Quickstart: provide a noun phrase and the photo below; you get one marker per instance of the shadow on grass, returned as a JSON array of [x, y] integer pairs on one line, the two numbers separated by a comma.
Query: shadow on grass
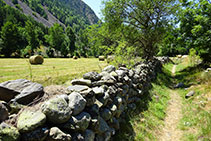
[[126, 132]]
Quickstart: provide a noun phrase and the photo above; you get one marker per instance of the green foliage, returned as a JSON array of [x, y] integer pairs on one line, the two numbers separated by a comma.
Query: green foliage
[[193, 57], [143, 23], [195, 30]]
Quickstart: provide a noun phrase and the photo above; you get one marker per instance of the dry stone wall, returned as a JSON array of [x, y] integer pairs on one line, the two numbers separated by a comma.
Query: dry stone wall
[[91, 109]]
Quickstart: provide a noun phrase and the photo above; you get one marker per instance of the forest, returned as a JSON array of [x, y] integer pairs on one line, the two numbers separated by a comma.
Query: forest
[[128, 28]]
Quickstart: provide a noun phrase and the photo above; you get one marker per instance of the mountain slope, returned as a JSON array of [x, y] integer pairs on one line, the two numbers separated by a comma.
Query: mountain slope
[[64, 12]]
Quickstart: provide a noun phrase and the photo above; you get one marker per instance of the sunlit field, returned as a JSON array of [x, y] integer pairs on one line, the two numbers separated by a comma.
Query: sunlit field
[[52, 71]]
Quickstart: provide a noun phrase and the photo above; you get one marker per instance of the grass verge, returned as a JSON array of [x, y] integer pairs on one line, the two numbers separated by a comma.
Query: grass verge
[[145, 122]]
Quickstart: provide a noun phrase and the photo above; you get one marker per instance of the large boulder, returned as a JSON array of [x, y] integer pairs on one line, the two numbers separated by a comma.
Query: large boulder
[[8, 132], [57, 109], [20, 90], [3, 112], [29, 120], [57, 135], [93, 76], [76, 102]]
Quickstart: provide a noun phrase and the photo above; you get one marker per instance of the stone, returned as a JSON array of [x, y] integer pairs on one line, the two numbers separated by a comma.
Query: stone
[[79, 122], [3, 112], [93, 111], [29, 120], [39, 134], [77, 88], [103, 126], [189, 94], [78, 137], [93, 76], [179, 85], [132, 106], [133, 100], [120, 110], [85, 82], [113, 109], [106, 114], [120, 74], [118, 101], [109, 69], [89, 135], [76, 102], [8, 132], [115, 123], [20, 90], [131, 73], [57, 109], [104, 99], [56, 134], [55, 90], [16, 107], [99, 91], [107, 78], [89, 95]]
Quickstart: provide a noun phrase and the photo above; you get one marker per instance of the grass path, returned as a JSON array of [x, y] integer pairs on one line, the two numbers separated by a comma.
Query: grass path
[[170, 132]]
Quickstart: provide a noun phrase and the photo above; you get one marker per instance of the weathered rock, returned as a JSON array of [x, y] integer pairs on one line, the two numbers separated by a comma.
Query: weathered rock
[[39, 134], [119, 111], [109, 69], [78, 137], [106, 114], [191, 93], [99, 90], [107, 78], [57, 109], [77, 88], [103, 126], [118, 101], [57, 135], [89, 135], [114, 123], [3, 112], [93, 76], [23, 91], [76, 102], [16, 107], [85, 82], [93, 111], [8, 132], [29, 120], [132, 106], [89, 95], [55, 90], [113, 109], [104, 99], [79, 122], [180, 85]]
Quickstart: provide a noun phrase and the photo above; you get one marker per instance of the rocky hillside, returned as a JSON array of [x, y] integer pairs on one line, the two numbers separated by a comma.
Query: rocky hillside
[[64, 12]]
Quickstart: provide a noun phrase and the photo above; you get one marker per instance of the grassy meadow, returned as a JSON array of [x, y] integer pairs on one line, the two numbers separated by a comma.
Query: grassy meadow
[[52, 71]]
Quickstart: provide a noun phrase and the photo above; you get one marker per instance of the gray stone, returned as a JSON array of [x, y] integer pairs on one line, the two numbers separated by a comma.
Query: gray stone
[[131, 73], [93, 111], [107, 78], [103, 126], [115, 123], [76, 102], [132, 106], [57, 135], [89, 135], [8, 132], [120, 110], [57, 109], [78, 137], [98, 103], [113, 109], [20, 90], [89, 95], [29, 120], [114, 74], [118, 101], [99, 90], [93, 76], [104, 99], [189, 94], [179, 85], [3, 112], [109, 69], [39, 134], [106, 114], [85, 82], [120, 74], [79, 122], [77, 88]]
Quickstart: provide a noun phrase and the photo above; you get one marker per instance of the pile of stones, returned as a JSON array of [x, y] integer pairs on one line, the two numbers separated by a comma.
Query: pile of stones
[[90, 109]]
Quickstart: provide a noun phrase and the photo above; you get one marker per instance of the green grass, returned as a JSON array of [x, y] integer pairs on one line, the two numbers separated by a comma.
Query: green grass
[[146, 121], [53, 71], [196, 120]]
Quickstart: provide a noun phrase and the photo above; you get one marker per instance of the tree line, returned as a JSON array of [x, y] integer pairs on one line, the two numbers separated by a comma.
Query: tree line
[[130, 28]]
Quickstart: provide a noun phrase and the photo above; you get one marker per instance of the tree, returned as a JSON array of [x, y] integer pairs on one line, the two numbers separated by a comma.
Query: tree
[[56, 37], [32, 36], [142, 22], [195, 19], [70, 39], [10, 37]]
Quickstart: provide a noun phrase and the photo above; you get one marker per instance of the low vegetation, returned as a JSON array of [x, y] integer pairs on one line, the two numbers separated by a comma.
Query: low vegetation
[[53, 71]]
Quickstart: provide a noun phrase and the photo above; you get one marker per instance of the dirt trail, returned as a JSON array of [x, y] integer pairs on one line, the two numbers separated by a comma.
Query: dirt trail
[[170, 132]]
